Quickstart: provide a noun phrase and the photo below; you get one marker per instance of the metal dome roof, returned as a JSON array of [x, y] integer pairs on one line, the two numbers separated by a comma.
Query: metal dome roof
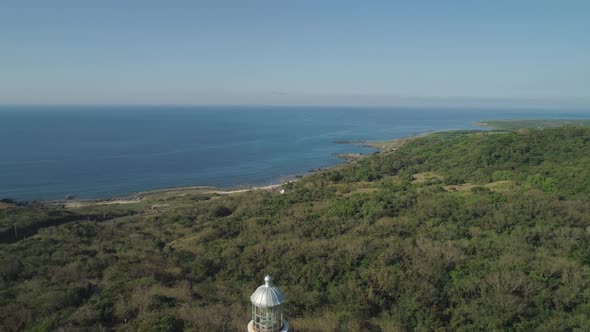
[[267, 295]]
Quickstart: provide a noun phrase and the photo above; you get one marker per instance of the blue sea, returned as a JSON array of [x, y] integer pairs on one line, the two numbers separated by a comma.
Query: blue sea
[[48, 152]]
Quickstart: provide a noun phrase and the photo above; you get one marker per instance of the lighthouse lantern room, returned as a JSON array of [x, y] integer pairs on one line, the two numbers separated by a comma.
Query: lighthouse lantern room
[[267, 309]]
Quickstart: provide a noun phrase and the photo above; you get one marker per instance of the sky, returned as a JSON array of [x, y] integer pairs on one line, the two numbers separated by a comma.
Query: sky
[[295, 52]]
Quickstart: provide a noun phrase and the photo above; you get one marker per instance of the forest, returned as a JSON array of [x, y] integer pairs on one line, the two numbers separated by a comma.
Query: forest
[[453, 231]]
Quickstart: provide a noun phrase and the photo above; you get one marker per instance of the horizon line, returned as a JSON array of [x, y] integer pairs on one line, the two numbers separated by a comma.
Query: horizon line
[[550, 106]]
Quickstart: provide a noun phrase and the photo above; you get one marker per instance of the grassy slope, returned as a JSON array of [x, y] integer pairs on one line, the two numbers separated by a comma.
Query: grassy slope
[[453, 231]]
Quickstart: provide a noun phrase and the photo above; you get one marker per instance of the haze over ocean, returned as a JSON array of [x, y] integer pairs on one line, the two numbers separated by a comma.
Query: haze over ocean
[[49, 152]]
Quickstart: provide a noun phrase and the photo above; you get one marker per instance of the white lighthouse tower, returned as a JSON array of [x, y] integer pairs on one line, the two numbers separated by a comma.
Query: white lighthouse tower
[[267, 309]]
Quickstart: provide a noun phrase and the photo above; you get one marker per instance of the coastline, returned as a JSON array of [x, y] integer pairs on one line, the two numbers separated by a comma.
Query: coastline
[[235, 163], [384, 146]]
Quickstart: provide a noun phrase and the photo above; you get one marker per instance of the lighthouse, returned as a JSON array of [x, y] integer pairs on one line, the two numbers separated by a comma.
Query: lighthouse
[[267, 309]]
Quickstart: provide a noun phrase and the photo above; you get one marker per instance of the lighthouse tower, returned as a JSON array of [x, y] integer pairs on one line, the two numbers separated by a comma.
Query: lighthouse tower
[[267, 309]]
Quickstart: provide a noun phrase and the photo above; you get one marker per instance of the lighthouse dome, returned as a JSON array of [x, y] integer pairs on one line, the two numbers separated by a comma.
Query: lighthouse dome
[[267, 295]]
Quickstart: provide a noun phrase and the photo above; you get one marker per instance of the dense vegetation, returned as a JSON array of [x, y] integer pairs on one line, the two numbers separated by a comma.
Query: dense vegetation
[[454, 231]]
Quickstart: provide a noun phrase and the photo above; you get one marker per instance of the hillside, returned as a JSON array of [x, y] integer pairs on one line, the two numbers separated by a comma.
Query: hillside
[[454, 231], [533, 123]]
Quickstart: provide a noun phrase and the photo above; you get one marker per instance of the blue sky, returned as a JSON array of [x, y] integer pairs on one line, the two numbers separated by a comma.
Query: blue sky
[[295, 52]]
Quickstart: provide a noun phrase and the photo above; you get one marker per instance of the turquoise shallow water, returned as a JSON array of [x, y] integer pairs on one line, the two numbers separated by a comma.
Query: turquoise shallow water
[[48, 152]]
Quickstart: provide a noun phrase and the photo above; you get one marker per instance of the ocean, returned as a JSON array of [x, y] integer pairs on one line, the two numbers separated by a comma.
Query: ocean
[[49, 152]]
